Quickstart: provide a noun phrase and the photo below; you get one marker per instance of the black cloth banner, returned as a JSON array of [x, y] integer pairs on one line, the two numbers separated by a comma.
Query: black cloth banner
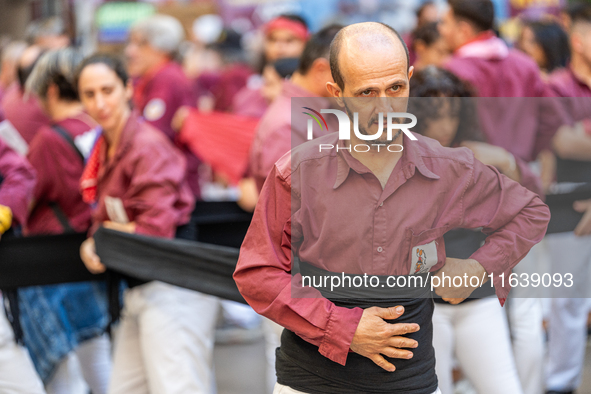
[[193, 265], [42, 260]]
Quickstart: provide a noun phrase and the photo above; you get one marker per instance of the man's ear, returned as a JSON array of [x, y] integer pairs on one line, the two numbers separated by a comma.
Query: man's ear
[[335, 91], [411, 71]]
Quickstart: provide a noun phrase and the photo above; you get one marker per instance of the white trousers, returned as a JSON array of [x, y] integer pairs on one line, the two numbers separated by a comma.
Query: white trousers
[[17, 373], [567, 321], [281, 389], [525, 313], [477, 333], [90, 363], [164, 344]]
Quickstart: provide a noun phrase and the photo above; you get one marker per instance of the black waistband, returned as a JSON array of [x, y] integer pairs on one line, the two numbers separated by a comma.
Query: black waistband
[[300, 366], [345, 286]]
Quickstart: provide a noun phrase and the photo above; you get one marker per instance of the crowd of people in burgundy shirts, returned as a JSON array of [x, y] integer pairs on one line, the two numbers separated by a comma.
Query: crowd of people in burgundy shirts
[[132, 141]]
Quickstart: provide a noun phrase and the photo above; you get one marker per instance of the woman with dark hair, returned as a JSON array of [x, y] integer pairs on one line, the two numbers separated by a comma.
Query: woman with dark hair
[[74, 314], [547, 43], [136, 178], [475, 331]]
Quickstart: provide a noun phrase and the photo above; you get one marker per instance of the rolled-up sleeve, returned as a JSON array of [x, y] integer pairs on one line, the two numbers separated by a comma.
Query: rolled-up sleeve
[[263, 276], [515, 219]]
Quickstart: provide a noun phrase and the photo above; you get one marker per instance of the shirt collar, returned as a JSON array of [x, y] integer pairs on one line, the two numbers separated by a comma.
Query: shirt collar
[[412, 159]]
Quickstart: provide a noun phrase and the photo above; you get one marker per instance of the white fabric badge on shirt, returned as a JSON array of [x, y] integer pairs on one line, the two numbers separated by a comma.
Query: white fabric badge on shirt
[[155, 109], [116, 210], [424, 257]]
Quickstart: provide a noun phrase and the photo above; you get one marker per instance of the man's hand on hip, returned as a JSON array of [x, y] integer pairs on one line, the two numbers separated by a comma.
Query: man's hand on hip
[[465, 269], [375, 338]]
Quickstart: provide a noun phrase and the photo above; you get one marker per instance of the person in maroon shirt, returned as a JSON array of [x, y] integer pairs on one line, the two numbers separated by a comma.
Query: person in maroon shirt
[[161, 87], [571, 251], [23, 112], [285, 37], [523, 127], [334, 210], [16, 188], [56, 153], [17, 180], [136, 177], [274, 136]]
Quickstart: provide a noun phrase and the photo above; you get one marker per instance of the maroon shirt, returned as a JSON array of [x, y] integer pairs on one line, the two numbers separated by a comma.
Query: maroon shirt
[[331, 211], [277, 133], [147, 173], [16, 189], [564, 83], [59, 168], [250, 102], [521, 125], [158, 96], [25, 115]]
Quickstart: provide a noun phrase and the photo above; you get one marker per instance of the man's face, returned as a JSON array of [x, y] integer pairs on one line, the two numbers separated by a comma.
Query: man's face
[[376, 81], [281, 44], [581, 41], [140, 55], [450, 30]]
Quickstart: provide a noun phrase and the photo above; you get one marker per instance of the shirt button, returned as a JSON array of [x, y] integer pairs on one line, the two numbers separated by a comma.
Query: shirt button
[[380, 249], [382, 204]]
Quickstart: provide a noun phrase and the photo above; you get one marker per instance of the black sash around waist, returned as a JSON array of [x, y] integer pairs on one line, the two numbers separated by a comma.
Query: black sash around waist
[[300, 366]]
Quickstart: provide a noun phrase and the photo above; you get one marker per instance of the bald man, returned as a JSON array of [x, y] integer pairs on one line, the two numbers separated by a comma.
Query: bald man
[[381, 212]]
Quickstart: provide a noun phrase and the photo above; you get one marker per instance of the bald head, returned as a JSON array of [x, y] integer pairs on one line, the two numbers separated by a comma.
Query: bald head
[[360, 40]]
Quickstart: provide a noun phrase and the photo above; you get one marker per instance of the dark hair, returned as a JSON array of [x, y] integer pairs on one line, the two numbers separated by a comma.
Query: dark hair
[[318, 46], [554, 42], [428, 33], [335, 50], [430, 89], [579, 12], [479, 13], [111, 61]]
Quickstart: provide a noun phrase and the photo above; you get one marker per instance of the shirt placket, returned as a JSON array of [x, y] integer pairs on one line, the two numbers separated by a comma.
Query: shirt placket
[[384, 214]]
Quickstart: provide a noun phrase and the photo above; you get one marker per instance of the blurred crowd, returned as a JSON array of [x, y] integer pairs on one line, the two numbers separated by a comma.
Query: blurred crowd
[[131, 141]]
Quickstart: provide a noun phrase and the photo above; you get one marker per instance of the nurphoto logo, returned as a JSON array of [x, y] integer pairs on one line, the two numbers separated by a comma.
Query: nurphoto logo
[[393, 122]]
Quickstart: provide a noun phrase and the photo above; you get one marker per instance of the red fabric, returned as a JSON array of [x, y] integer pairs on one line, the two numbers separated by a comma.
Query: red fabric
[[25, 115], [332, 212], [147, 173], [89, 178], [221, 140], [16, 191], [281, 23], [59, 169]]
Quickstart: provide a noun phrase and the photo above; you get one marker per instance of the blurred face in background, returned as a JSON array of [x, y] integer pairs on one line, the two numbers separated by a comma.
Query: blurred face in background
[[429, 14], [451, 31], [581, 42], [434, 54], [443, 126], [528, 44], [141, 56], [104, 96], [283, 43]]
